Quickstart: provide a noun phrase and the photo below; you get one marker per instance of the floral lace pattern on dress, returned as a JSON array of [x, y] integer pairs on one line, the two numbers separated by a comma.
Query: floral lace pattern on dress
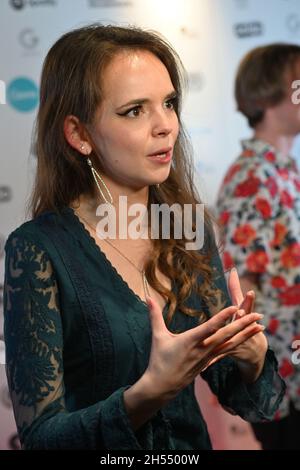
[[32, 323]]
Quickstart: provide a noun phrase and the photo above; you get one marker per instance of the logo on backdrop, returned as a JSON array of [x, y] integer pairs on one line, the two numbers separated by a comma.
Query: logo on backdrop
[[293, 23], [17, 4], [196, 81], [241, 4], [22, 94], [5, 193], [189, 32], [28, 39], [249, 29], [2, 92], [109, 3], [20, 4]]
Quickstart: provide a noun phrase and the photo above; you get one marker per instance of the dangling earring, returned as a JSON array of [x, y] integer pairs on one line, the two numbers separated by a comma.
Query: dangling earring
[[157, 186], [97, 177]]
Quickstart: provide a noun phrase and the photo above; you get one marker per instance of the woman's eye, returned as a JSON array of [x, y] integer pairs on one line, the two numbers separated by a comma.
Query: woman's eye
[[170, 104], [133, 112], [137, 110]]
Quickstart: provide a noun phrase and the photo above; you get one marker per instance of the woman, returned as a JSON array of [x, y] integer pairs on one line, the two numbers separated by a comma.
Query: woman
[[90, 364]]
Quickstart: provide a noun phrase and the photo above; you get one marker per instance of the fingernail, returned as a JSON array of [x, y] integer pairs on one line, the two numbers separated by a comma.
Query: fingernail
[[262, 327], [260, 315], [233, 269]]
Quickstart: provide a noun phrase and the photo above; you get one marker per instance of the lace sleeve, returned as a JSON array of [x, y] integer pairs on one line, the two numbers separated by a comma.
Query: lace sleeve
[[32, 331], [253, 402], [34, 362]]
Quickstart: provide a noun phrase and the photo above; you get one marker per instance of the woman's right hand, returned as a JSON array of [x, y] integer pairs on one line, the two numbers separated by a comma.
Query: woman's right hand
[[176, 359]]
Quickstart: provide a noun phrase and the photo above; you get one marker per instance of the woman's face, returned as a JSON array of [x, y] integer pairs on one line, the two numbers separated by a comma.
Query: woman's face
[[136, 119]]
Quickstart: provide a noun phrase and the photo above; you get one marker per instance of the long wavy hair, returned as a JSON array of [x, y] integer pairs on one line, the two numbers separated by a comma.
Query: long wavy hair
[[70, 86]]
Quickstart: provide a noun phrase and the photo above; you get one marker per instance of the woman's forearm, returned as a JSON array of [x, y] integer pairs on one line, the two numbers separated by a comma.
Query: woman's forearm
[[250, 372], [142, 401]]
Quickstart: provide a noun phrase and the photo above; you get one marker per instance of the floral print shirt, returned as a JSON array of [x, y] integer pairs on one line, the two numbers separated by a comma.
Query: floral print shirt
[[259, 211]]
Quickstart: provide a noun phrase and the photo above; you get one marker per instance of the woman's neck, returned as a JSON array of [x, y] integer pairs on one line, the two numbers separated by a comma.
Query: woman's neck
[[87, 207]]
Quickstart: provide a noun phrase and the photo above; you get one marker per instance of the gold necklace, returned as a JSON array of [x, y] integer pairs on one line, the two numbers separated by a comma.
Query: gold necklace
[[141, 271]]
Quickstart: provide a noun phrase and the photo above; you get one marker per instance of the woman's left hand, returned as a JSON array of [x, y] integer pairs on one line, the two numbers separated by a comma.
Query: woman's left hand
[[250, 355]]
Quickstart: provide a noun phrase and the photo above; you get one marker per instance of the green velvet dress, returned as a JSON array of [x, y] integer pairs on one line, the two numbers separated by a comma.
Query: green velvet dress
[[77, 336]]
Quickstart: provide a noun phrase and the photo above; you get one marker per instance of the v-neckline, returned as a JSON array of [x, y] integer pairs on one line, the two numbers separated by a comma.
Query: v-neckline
[[125, 286]]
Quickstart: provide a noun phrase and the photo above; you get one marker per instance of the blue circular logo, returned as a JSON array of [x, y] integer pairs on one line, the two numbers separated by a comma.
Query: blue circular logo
[[17, 4], [22, 94]]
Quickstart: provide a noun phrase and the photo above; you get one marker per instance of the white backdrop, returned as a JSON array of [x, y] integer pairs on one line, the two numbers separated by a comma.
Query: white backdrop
[[210, 35]]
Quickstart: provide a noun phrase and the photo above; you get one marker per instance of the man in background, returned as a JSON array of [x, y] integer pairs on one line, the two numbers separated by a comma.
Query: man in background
[[259, 210]]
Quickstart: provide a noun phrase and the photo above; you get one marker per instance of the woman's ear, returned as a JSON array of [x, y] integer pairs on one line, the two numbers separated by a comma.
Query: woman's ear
[[75, 135]]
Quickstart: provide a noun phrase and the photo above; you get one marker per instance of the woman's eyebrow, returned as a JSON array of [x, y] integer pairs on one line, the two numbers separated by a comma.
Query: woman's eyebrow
[[139, 101]]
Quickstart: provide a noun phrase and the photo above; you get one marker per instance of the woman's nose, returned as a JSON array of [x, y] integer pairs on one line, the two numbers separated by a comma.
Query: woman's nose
[[162, 124]]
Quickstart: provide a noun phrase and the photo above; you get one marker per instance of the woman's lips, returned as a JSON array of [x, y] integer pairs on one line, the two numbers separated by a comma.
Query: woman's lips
[[163, 158]]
